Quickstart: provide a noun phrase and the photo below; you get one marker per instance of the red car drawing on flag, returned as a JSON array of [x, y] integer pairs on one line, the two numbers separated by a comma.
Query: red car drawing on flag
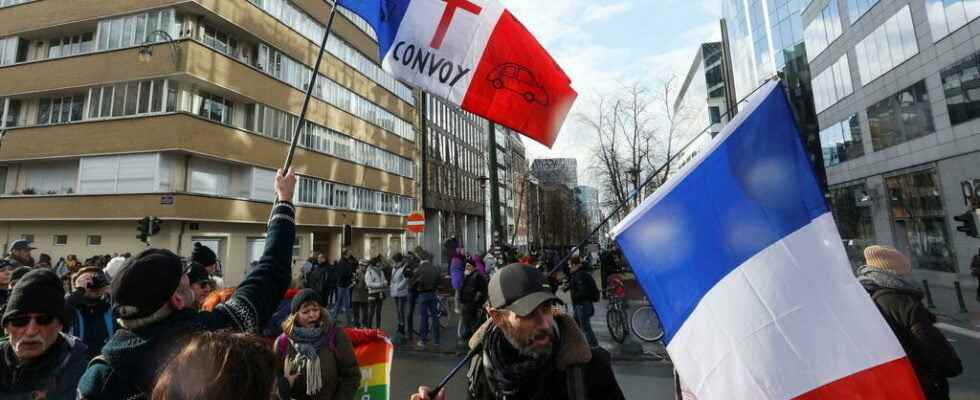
[[520, 80]]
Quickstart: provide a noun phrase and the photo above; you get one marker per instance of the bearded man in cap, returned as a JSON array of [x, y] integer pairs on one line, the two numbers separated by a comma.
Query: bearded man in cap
[[201, 283], [887, 278], [152, 300], [37, 361], [527, 350]]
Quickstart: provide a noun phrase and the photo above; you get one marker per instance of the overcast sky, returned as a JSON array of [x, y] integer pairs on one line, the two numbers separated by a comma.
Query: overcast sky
[[601, 43]]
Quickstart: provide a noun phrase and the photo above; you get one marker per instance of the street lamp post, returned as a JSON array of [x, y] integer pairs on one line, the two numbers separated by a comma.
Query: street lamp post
[[146, 49]]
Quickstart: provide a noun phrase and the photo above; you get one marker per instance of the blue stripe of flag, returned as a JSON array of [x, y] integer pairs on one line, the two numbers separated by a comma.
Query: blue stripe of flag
[[753, 189], [385, 16]]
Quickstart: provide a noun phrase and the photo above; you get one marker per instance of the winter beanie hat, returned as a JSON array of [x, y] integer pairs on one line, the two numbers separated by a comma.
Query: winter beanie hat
[[886, 258], [146, 283], [303, 296], [37, 292], [203, 255]]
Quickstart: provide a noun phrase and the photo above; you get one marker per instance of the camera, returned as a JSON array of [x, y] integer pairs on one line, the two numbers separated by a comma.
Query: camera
[[98, 281]]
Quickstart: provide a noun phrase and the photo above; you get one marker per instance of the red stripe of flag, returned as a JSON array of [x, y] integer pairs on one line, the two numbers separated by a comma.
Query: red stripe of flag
[[893, 380], [518, 85]]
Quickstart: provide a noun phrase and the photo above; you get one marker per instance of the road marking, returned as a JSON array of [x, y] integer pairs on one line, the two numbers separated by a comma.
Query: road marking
[[955, 329]]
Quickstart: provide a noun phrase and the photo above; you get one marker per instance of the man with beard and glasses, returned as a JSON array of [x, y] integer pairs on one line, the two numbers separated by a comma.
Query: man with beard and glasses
[[152, 301], [20, 253], [37, 361], [528, 350]]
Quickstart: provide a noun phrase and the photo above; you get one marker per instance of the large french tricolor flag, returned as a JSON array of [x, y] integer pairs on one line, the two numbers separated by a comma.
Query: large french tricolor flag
[[742, 261], [475, 54]]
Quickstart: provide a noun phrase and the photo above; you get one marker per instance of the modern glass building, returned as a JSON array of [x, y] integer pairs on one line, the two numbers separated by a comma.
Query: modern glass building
[[116, 110], [766, 38], [894, 85]]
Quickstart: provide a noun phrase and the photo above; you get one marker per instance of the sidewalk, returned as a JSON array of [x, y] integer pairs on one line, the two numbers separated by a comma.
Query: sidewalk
[[948, 307]]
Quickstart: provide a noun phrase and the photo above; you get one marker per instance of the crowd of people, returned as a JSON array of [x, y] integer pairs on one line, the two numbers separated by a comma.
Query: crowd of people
[[156, 326], [153, 325]]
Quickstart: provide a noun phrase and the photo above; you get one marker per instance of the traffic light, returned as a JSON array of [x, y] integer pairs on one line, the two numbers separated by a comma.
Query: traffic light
[[155, 225], [143, 227], [968, 223]]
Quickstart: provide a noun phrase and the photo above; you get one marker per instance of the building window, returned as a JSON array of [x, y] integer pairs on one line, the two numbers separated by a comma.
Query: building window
[[131, 173], [62, 110], [135, 30], [71, 45], [94, 240], [8, 50], [919, 220], [901, 117], [60, 240], [823, 30], [832, 84], [857, 8], [215, 108], [888, 46], [133, 98], [842, 141], [946, 16], [961, 86]]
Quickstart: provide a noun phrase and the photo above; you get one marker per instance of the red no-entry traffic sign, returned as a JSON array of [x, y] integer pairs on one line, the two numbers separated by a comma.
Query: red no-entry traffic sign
[[415, 223]]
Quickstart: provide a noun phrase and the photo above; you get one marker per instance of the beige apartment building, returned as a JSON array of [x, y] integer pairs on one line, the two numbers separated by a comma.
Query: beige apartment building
[[116, 110]]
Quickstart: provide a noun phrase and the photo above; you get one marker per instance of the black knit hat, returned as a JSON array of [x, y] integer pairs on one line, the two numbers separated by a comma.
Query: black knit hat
[[145, 283], [304, 296], [37, 292], [203, 255]]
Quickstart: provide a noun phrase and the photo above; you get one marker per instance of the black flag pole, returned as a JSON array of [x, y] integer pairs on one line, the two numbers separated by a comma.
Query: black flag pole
[[309, 88]]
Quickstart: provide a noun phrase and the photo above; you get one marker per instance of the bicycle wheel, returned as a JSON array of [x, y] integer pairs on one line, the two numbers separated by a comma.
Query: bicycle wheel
[[616, 322], [646, 325]]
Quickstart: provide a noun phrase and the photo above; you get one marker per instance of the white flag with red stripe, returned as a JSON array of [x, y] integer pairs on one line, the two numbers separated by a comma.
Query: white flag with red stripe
[[475, 54]]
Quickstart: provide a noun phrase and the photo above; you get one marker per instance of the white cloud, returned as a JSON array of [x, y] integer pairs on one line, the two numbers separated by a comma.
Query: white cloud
[[596, 66], [602, 12]]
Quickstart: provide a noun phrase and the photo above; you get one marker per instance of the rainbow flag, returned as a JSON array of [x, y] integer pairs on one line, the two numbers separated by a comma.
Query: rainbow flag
[[374, 350]]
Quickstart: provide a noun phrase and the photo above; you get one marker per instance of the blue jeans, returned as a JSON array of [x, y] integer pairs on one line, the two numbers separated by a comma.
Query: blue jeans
[[342, 306], [430, 316], [583, 317], [401, 308]]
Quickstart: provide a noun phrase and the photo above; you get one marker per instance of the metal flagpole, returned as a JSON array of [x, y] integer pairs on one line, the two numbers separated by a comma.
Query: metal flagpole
[[309, 88]]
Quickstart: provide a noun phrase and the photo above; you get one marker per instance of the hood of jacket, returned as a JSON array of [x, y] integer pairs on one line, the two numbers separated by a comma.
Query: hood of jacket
[[138, 353], [574, 348]]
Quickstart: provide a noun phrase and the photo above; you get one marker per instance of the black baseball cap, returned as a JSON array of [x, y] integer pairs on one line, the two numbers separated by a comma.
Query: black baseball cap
[[520, 289], [21, 244]]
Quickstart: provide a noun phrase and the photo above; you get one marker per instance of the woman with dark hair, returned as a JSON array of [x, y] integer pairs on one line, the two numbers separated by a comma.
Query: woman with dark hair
[[219, 366], [43, 261], [318, 358]]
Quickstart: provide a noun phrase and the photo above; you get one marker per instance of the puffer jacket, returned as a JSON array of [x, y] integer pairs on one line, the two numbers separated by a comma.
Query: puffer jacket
[[375, 280], [933, 358], [56, 373], [399, 282]]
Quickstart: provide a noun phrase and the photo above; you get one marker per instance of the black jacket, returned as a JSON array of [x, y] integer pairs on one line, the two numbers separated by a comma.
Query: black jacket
[[474, 291], [583, 287], [330, 276], [56, 372], [90, 320], [345, 272], [932, 357], [574, 357], [134, 357]]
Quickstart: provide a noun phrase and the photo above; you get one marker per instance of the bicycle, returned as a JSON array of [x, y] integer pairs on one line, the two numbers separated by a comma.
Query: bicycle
[[616, 318], [646, 324]]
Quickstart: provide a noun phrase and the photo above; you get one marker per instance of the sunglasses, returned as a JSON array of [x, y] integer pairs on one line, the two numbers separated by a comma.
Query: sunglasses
[[20, 322]]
